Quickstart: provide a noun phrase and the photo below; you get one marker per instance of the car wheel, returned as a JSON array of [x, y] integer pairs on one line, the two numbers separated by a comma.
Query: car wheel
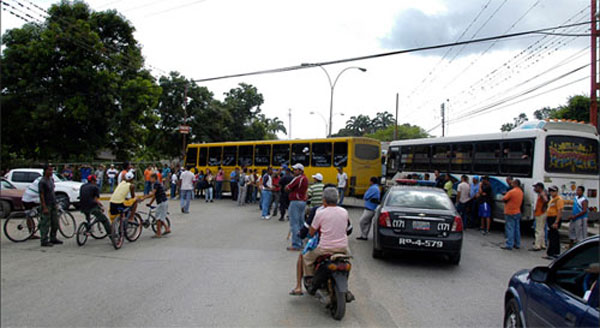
[[377, 254], [63, 201], [455, 259], [4, 209], [512, 319]]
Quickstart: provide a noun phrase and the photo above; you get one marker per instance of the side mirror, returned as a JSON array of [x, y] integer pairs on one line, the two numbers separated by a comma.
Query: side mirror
[[539, 274]]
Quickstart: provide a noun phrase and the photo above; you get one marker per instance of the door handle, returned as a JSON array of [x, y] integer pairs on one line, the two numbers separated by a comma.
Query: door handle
[[570, 319]]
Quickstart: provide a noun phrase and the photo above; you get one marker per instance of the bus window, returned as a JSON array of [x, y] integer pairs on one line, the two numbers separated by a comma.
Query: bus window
[[366, 151], [281, 155], [245, 156], [202, 157], [340, 154], [321, 154], [191, 157], [229, 155], [516, 158], [392, 161], [301, 153], [262, 155], [569, 154], [440, 157], [214, 156], [406, 158], [486, 158], [421, 158], [462, 158]]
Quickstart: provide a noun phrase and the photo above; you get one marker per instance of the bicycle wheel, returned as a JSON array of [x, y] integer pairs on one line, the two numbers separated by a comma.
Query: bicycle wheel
[[82, 233], [19, 229], [133, 228], [66, 224], [97, 230], [117, 236], [153, 220]]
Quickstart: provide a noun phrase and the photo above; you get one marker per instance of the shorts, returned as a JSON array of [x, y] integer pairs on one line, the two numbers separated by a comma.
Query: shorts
[[578, 229], [485, 211], [116, 207], [161, 211]]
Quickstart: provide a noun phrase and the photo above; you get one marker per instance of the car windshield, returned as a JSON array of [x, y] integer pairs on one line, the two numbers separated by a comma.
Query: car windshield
[[7, 185], [421, 199], [59, 177]]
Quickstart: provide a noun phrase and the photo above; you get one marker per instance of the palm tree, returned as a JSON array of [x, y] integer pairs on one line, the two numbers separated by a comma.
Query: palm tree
[[360, 124], [382, 120], [275, 125]]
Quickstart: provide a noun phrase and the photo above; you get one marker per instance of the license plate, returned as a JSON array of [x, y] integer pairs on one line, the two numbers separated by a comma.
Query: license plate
[[420, 225], [421, 243]]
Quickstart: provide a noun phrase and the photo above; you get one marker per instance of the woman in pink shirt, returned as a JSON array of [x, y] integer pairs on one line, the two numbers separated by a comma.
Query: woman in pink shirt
[[220, 178]]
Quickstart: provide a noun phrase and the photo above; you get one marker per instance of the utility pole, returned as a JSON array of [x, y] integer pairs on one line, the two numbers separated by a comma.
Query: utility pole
[[594, 75], [184, 118], [396, 124], [443, 120], [290, 123]]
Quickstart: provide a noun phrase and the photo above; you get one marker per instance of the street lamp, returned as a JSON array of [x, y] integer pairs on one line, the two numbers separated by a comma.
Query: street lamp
[[324, 120], [332, 86]]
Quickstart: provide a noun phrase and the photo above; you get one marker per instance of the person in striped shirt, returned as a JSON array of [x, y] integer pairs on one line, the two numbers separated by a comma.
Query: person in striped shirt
[[315, 191]]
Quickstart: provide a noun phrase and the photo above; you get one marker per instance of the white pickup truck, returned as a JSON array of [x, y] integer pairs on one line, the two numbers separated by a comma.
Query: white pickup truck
[[67, 192]]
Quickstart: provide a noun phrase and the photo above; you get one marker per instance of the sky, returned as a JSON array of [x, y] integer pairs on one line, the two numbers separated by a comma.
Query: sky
[[203, 39]]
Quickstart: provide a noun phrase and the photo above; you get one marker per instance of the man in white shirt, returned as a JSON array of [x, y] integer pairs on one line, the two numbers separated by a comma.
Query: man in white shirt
[[342, 183], [267, 193], [112, 176], [174, 180], [186, 189], [462, 198]]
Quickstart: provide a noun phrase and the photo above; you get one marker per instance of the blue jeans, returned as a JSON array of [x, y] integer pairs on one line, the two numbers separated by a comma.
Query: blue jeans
[[341, 192], [265, 200], [186, 197], [254, 194], [462, 210], [219, 189], [100, 184], [296, 210], [512, 230], [147, 187], [173, 190], [208, 194], [111, 181]]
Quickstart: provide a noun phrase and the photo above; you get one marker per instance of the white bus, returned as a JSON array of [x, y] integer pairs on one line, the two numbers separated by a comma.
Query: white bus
[[556, 152]]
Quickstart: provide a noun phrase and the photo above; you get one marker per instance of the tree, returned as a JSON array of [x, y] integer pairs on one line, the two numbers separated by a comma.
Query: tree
[[359, 125], [243, 104], [577, 108], [73, 85], [522, 118], [405, 131], [382, 120]]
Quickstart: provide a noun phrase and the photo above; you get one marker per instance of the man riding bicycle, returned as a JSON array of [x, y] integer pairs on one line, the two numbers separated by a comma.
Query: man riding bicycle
[[119, 201], [89, 202]]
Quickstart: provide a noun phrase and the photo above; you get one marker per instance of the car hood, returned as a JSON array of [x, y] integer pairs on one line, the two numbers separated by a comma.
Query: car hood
[[13, 193], [69, 184]]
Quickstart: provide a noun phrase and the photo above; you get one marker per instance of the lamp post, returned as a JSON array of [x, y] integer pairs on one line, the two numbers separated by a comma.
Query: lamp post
[[332, 87], [324, 120]]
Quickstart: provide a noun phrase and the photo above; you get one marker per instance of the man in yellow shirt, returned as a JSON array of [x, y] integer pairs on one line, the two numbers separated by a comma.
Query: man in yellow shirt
[[554, 213], [119, 201]]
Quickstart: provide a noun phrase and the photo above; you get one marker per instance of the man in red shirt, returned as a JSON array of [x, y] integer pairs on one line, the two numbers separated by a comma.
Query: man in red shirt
[[297, 196], [276, 191]]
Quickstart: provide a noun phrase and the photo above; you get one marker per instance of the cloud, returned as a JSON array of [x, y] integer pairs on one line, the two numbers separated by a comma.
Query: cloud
[[415, 28]]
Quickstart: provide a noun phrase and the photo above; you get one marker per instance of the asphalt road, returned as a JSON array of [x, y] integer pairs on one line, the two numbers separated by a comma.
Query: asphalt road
[[223, 266]]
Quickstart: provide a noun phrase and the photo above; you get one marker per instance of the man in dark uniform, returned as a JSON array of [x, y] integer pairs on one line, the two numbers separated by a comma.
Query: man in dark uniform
[[284, 202], [49, 218]]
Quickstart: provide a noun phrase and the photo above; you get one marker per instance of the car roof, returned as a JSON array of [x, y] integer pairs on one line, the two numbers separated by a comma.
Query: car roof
[[27, 170]]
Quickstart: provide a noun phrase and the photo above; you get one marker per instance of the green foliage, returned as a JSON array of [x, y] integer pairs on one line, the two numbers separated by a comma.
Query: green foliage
[[405, 131], [522, 118], [577, 108]]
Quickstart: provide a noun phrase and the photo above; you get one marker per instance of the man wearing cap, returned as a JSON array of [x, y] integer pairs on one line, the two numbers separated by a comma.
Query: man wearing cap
[[297, 196], [554, 213], [89, 202], [372, 198], [267, 193], [119, 201], [315, 191], [539, 213], [112, 176]]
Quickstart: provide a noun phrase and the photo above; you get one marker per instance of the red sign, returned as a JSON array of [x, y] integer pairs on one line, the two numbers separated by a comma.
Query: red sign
[[185, 129]]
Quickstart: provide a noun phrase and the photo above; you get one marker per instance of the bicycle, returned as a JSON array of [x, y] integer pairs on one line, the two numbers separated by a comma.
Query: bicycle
[[89, 227], [151, 219], [22, 225], [123, 228]]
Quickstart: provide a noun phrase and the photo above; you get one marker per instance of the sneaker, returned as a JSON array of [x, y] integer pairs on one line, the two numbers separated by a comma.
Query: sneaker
[[506, 248], [211, 201], [267, 217], [56, 242], [182, 210]]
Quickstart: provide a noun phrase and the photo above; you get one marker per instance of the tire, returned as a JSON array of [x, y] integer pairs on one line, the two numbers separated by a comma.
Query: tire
[[5, 209], [338, 302], [454, 259], [19, 229], [117, 237], [98, 231], [512, 318], [82, 233], [63, 201], [377, 254], [134, 229], [153, 220], [66, 224]]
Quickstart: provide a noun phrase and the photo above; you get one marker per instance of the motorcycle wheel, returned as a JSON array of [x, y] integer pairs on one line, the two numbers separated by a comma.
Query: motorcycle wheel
[[338, 302]]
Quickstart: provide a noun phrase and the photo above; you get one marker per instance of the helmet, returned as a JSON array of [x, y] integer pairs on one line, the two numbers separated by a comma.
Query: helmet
[[129, 175], [91, 178]]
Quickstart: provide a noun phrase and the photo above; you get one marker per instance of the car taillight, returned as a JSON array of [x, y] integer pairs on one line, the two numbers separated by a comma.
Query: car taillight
[[457, 225], [384, 220]]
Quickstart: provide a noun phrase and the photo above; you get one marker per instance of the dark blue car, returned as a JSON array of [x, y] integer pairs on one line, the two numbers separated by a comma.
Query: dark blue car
[[563, 294]]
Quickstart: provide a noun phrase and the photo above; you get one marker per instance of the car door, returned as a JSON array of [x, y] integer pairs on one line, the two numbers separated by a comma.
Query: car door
[[559, 302]]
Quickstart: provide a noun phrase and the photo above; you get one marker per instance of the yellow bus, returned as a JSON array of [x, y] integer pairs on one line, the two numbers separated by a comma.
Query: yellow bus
[[359, 157]]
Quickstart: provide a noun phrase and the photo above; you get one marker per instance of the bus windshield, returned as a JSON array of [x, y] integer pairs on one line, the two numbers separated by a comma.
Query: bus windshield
[[573, 155]]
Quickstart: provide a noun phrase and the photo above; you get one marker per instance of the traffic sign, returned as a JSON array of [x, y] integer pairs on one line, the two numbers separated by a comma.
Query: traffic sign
[[185, 129]]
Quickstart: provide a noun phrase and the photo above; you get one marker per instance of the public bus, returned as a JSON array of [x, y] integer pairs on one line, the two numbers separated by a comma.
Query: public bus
[[359, 157], [556, 152]]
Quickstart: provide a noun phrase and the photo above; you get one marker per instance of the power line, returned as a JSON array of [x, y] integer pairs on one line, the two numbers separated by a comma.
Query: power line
[[175, 8], [391, 53]]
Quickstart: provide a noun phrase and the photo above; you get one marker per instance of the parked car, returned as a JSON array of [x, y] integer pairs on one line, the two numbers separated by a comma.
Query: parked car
[[67, 192], [563, 294], [10, 198], [415, 218]]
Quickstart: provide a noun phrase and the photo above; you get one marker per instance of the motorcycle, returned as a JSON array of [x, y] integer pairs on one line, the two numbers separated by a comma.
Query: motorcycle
[[330, 283]]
